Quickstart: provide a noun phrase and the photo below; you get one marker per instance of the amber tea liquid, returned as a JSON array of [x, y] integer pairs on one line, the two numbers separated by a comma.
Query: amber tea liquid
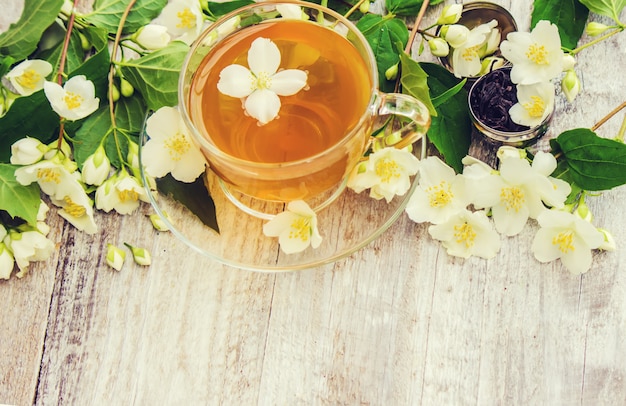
[[309, 122]]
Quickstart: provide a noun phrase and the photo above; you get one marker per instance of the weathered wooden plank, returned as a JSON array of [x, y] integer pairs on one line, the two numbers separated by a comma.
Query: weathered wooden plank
[[399, 322]]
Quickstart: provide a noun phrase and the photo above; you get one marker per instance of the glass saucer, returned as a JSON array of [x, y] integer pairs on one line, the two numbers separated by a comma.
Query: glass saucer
[[347, 224]]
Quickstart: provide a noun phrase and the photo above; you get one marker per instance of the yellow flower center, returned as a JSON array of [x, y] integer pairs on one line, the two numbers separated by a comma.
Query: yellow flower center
[[440, 195], [536, 107], [300, 229], [186, 18], [177, 146], [538, 54], [469, 54], [262, 81], [72, 100], [29, 79], [512, 197], [49, 175], [564, 241], [387, 169], [128, 195], [73, 209], [464, 233]]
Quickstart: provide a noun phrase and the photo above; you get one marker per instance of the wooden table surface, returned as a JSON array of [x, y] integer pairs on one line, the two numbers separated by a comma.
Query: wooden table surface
[[397, 323]]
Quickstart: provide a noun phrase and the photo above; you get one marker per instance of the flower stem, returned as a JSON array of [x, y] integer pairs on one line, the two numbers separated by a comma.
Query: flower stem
[[116, 43], [608, 117], [416, 25], [354, 8], [597, 40], [409, 44], [66, 43]]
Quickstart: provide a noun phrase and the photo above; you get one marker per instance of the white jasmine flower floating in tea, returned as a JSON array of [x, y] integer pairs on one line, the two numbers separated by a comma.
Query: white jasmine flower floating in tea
[[260, 86]]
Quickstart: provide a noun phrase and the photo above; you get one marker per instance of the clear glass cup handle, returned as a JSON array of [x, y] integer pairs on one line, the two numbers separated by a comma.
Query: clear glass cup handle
[[402, 106]]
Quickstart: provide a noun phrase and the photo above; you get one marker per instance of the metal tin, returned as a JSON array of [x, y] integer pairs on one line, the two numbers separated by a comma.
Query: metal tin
[[512, 138]]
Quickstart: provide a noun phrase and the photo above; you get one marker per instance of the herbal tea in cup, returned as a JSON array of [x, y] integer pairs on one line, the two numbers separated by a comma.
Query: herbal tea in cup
[[282, 99]]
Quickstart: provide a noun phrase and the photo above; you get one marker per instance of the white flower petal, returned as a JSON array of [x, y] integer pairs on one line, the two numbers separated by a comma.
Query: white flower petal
[[288, 82], [236, 81], [163, 123], [263, 56], [263, 105]]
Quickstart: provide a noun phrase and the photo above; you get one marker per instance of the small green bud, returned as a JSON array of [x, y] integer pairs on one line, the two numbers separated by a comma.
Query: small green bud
[[392, 72], [583, 212], [158, 223], [140, 255], [438, 47], [126, 87], [593, 28], [570, 85], [364, 7], [115, 93], [609, 243], [84, 42], [450, 14], [115, 257]]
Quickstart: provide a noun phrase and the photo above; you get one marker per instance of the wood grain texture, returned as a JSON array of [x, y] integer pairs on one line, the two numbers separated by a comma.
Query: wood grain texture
[[397, 323]]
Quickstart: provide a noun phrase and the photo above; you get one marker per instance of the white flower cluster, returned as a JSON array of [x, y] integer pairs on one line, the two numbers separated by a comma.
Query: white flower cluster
[[537, 59], [470, 52], [502, 202], [24, 244]]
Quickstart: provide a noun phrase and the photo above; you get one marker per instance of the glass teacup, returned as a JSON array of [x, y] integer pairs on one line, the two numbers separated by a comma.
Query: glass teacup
[[282, 98]]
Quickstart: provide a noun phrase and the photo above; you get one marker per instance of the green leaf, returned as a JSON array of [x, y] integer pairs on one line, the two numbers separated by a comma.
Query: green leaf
[[568, 15], [21, 39], [18, 122], [593, 163], [219, 9], [16, 199], [107, 14], [609, 8], [129, 119], [155, 75], [193, 196], [387, 37], [414, 82], [75, 55], [5, 64], [450, 131]]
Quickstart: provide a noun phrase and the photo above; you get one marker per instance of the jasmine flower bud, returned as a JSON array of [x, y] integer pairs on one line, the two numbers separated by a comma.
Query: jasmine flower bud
[[96, 167], [140, 255], [456, 35], [115, 257], [158, 223], [392, 72], [609, 243], [152, 36], [450, 14], [583, 212], [27, 151], [568, 62], [511, 152], [126, 88], [570, 85], [438, 47], [593, 28]]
